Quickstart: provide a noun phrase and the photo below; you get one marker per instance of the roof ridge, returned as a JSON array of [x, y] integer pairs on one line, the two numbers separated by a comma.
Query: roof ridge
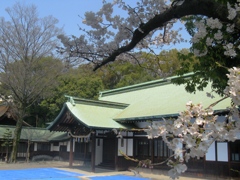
[[143, 85], [74, 100]]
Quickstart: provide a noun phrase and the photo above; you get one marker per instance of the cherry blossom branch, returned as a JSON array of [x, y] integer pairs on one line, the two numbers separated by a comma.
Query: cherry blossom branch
[[209, 8]]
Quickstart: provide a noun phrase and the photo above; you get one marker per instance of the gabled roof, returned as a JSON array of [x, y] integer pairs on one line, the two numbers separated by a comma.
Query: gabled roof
[[6, 117], [145, 101], [3, 109], [87, 113], [35, 134], [160, 98]]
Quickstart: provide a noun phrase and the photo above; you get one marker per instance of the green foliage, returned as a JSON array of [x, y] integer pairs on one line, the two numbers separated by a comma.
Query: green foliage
[[75, 82], [167, 62], [7, 142], [148, 67], [123, 73], [7, 138], [212, 67]]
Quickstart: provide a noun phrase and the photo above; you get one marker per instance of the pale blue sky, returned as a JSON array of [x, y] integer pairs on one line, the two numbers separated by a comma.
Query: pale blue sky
[[67, 12]]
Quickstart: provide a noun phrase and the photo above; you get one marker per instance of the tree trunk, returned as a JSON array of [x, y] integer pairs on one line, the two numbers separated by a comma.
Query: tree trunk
[[6, 157], [16, 138], [37, 120]]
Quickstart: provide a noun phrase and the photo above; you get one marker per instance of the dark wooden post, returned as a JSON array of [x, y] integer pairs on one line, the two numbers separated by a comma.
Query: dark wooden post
[[229, 159], [152, 150], [216, 159], [71, 152], [93, 151], [116, 153]]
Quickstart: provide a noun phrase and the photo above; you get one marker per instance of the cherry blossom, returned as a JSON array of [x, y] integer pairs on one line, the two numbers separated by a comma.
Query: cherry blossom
[[201, 128]]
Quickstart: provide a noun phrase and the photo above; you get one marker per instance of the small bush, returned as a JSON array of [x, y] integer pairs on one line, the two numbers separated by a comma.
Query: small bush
[[42, 158]]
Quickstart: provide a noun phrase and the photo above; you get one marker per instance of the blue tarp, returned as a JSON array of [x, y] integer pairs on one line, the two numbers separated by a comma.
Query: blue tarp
[[55, 174], [38, 173]]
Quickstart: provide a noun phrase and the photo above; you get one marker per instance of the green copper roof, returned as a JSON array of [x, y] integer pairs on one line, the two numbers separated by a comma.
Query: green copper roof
[[91, 113], [36, 134], [160, 98], [145, 101], [140, 86], [96, 114]]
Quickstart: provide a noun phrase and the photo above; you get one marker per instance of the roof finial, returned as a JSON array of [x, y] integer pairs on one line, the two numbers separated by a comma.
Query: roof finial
[[71, 100]]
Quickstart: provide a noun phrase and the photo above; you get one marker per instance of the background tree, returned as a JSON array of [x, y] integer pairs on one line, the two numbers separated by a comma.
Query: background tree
[[24, 41], [7, 142], [79, 82], [147, 66]]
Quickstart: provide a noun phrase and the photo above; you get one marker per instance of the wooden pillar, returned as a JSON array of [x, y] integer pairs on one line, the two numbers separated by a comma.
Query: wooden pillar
[[71, 152], [216, 159], [152, 150], [229, 159], [93, 151], [116, 153]]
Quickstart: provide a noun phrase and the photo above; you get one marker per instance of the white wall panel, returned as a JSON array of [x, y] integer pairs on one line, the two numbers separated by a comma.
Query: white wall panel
[[130, 147], [99, 152], [222, 151], [211, 154]]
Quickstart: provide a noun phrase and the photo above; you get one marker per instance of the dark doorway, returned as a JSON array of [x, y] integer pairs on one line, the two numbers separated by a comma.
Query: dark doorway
[[82, 152], [109, 150]]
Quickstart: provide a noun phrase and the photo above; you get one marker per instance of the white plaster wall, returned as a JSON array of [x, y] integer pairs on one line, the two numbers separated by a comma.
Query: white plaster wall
[[130, 147], [35, 146], [222, 151], [54, 148], [130, 134], [127, 147], [127, 134], [63, 143], [211, 154], [68, 145], [98, 152], [120, 148], [124, 133]]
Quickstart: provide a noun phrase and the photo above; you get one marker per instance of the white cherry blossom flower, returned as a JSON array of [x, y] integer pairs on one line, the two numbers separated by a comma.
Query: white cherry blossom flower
[[190, 142], [214, 23], [231, 12], [181, 168]]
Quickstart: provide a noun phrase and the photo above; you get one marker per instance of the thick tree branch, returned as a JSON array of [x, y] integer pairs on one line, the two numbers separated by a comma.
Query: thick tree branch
[[209, 8]]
